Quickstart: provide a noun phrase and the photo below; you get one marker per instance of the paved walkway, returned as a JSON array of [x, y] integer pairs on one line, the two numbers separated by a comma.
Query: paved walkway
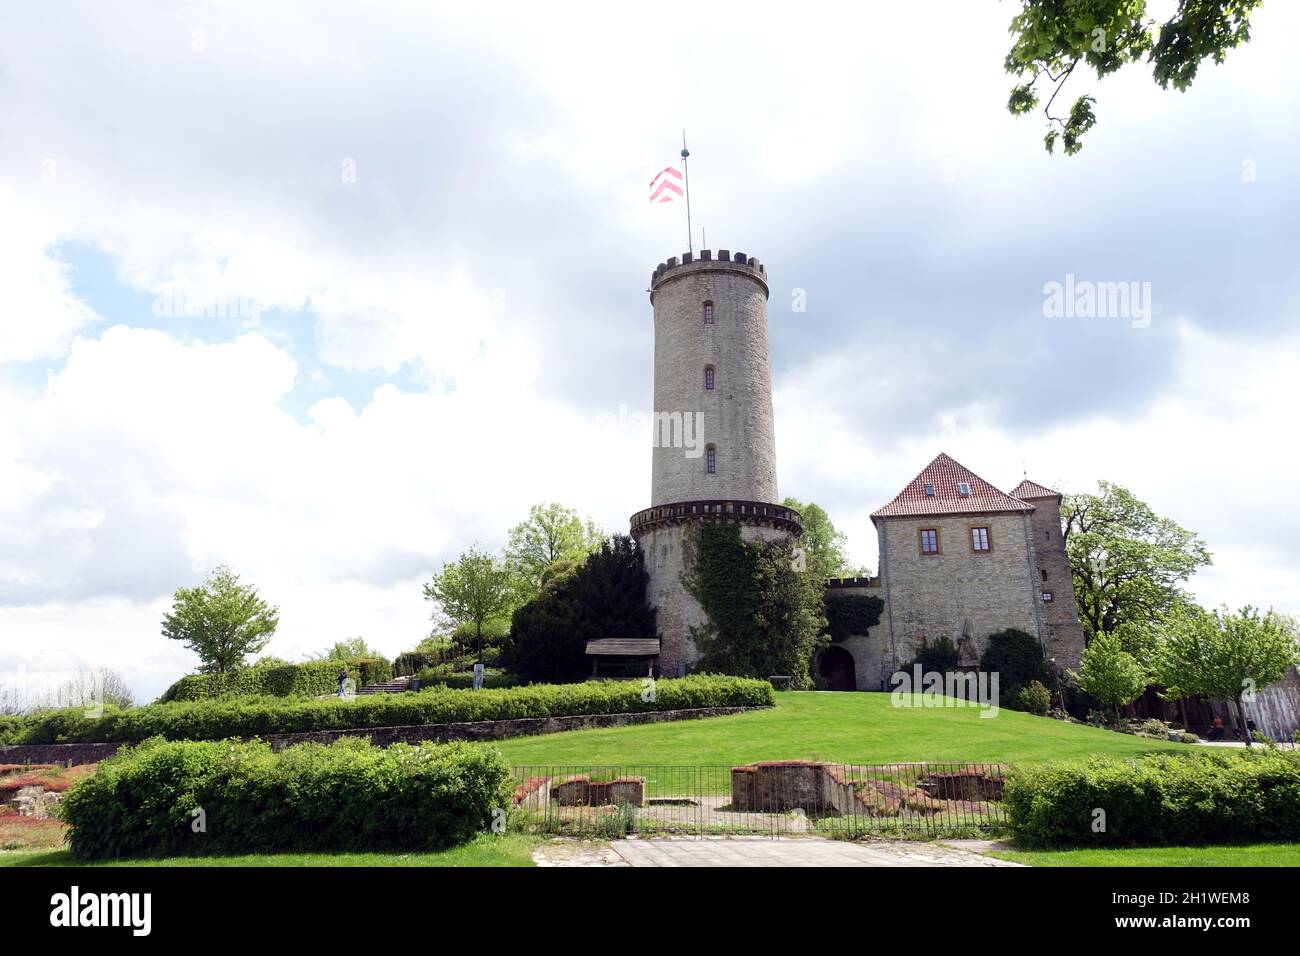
[[759, 851]]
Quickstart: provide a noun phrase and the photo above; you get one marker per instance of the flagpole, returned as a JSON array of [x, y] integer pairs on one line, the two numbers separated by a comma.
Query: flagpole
[[686, 169]]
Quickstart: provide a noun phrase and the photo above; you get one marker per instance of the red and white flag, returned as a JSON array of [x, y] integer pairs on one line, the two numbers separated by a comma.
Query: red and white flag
[[666, 186]]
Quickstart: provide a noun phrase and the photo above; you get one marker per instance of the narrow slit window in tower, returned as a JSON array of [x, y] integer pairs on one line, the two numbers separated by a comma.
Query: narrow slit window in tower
[[708, 378], [711, 460], [708, 313]]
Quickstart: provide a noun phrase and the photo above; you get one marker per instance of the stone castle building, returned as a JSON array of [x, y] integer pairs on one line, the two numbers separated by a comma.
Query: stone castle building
[[958, 557], [962, 560]]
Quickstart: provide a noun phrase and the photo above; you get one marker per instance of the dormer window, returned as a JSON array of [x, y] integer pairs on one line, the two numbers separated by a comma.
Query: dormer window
[[708, 313], [963, 488], [929, 490]]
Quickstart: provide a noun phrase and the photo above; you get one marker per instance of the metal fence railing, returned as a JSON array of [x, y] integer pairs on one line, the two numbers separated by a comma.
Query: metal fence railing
[[774, 798]]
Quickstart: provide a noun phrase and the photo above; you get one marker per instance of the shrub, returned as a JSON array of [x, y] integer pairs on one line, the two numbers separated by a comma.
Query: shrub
[[1017, 658], [344, 796], [252, 717], [438, 677], [1035, 698], [940, 656], [273, 679], [1157, 800]]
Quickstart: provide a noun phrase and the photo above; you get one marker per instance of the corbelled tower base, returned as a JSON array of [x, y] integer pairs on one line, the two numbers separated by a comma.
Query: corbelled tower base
[[664, 535]]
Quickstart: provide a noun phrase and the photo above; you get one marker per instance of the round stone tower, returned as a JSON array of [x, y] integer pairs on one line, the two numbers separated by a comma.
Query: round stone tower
[[714, 445]]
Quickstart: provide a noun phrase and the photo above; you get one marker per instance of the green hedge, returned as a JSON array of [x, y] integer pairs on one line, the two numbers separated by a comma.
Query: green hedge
[[254, 717], [309, 679], [441, 677], [1157, 800], [344, 796]]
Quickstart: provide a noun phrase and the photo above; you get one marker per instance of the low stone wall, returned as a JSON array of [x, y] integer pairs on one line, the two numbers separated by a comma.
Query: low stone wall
[[778, 786], [384, 736], [64, 754], [584, 792]]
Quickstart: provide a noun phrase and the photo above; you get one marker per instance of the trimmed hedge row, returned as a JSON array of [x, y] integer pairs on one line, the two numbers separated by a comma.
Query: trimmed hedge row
[[1156, 800], [439, 677], [254, 717], [309, 679], [344, 796]]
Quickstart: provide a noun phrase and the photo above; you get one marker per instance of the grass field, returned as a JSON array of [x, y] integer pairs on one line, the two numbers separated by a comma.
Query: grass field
[[508, 849], [1247, 854], [844, 728]]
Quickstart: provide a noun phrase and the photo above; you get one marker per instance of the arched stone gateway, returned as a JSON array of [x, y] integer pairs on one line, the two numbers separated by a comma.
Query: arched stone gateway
[[836, 667]]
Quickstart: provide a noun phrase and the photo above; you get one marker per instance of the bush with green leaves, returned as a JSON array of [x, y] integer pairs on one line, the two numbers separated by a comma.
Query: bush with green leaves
[[1017, 658], [441, 677], [275, 679], [259, 716], [349, 795], [1035, 698], [940, 656], [1156, 800]]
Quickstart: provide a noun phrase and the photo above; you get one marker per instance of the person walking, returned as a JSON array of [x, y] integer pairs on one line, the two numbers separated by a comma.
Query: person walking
[[343, 680]]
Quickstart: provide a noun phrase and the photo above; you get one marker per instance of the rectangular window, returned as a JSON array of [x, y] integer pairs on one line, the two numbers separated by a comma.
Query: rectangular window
[[979, 539], [1047, 596], [929, 541], [711, 457]]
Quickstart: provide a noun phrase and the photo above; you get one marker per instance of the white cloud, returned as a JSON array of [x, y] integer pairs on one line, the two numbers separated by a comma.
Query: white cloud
[[40, 311]]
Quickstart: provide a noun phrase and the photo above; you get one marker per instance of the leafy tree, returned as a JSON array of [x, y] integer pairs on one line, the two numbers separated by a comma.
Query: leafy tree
[[1110, 673], [222, 621], [823, 545], [1051, 38], [551, 534], [350, 648], [1223, 656], [472, 590], [765, 616], [1127, 562], [605, 596]]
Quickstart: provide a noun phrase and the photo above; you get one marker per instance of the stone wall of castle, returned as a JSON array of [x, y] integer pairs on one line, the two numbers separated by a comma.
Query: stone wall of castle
[[958, 589], [1062, 632]]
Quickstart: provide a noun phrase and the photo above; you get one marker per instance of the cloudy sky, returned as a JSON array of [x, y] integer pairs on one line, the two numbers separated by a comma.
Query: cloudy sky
[[431, 235]]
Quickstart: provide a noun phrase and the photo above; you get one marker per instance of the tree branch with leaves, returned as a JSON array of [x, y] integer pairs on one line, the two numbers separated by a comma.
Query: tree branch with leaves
[[1052, 38]]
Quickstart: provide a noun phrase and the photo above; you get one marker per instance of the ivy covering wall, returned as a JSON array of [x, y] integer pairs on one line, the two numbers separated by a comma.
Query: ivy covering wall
[[765, 617], [851, 614]]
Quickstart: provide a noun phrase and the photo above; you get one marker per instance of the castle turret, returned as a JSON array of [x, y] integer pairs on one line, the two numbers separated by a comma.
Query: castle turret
[[714, 456]]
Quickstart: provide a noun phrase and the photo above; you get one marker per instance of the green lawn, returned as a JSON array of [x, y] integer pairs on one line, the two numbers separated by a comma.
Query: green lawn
[[844, 728], [508, 849], [1247, 854]]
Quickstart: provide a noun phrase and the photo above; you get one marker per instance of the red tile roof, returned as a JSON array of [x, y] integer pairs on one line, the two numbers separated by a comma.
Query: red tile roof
[[1031, 489], [945, 474]]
